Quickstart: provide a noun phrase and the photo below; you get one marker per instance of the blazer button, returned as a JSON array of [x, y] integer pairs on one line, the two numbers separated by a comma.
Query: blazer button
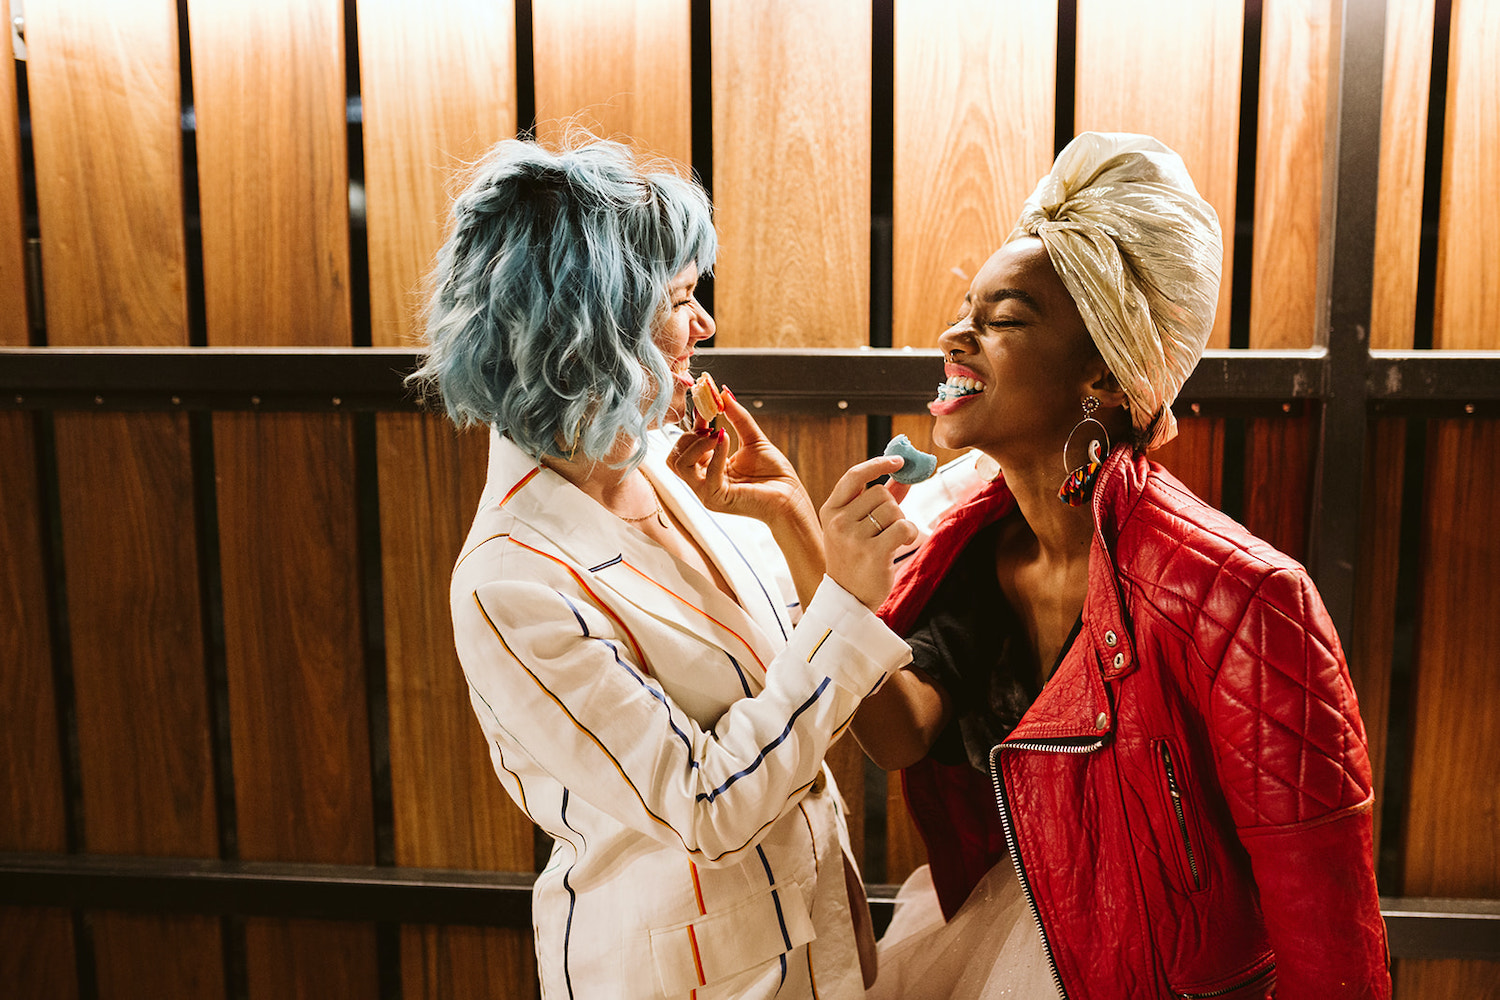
[[1119, 660], [1102, 721], [1110, 638], [820, 781]]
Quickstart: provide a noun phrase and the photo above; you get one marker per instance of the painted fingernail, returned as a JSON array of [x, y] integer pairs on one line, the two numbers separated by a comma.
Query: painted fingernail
[[724, 391]]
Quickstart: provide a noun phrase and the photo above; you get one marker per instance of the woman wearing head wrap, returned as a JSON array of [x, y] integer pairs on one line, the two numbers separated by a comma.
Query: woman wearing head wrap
[[1138, 702], [633, 665]]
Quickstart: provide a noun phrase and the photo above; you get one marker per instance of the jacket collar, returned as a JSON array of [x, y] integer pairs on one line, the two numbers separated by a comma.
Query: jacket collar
[[625, 561]]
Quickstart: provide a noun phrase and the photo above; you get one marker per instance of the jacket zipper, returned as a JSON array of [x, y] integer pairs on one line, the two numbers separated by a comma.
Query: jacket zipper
[[1187, 841], [1263, 973], [1010, 836]]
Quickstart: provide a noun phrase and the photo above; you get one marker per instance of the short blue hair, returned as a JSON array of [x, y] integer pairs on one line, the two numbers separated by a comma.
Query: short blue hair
[[547, 292]]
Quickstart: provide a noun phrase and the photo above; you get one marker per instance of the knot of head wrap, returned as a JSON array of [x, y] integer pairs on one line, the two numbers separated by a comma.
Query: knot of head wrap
[[1140, 251]]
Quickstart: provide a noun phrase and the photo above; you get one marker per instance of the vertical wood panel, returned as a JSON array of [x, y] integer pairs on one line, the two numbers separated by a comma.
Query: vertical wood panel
[[1278, 481], [13, 314], [1294, 54], [627, 75], [1468, 296], [37, 959], [1453, 802], [1403, 150], [1171, 69], [791, 84], [268, 85], [974, 98], [269, 82], [106, 124], [1294, 71], [437, 92], [975, 92]]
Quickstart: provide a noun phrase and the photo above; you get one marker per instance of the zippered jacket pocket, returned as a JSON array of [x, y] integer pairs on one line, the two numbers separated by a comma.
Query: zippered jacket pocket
[[1178, 795]]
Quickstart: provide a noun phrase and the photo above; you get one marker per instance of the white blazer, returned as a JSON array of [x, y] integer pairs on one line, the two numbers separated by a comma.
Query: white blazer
[[668, 738]]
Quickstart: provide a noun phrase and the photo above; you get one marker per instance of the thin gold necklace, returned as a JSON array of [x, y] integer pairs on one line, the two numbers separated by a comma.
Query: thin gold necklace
[[658, 513]]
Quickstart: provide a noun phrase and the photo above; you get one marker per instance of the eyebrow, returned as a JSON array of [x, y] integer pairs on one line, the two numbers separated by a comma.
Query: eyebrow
[[1002, 294]]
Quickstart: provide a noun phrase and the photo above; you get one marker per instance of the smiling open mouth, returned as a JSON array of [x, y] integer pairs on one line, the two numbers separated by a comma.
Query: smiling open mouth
[[957, 387]]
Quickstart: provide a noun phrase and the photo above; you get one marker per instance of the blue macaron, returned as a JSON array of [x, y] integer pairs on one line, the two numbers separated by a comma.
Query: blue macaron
[[919, 465]]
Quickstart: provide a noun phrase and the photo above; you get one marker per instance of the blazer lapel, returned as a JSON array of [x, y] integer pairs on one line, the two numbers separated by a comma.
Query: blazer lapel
[[607, 551]]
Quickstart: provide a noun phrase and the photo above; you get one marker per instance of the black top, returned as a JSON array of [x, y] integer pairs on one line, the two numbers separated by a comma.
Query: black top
[[971, 642]]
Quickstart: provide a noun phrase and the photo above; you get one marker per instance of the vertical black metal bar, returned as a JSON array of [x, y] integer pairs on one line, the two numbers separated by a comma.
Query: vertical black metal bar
[[1346, 270], [701, 36]]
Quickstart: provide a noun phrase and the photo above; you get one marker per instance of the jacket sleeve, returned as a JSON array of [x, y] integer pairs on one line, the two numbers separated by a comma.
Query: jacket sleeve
[[557, 679], [1292, 759]]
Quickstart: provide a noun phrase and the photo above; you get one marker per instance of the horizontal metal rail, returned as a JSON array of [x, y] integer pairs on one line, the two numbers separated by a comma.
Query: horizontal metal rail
[[826, 382], [1418, 928]]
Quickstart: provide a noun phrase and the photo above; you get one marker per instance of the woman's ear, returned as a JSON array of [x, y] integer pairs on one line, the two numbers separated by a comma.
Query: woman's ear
[[1103, 384]]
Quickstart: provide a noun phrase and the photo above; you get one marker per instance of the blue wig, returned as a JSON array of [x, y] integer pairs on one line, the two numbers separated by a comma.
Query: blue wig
[[546, 295]]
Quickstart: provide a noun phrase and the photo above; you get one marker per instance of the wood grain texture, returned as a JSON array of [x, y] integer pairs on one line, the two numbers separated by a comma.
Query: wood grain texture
[[437, 91], [451, 811], [106, 126], [38, 960], [311, 960], [626, 75], [434, 959], [292, 638], [975, 89], [1403, 152], [32, 815], [1294, 71], [268, 88], [1419, 979], [1371, 652], [1453, 802], [14, 319], [152, 957], [791, 99], [105, 105], [1171, 69], [1468, 296], [1278, 481], [141, 688], [1196, 456], [295, 662]]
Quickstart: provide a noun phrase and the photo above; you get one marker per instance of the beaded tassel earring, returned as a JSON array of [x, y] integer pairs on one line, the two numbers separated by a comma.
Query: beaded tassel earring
[[1079, 482]]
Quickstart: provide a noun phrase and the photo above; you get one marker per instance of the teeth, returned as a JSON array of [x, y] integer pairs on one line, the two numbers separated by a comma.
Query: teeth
[[959, 386]]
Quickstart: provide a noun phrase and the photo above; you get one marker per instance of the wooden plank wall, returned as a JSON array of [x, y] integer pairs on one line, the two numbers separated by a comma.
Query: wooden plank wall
[[277, 549], [1451, 847], [41, 955], [437, 91]]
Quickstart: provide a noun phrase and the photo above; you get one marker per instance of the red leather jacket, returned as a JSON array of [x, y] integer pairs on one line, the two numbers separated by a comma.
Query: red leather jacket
[[1189, 797]]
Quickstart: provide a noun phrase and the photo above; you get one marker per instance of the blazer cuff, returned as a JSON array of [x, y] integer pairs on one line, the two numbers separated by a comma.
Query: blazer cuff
[[845, 640]]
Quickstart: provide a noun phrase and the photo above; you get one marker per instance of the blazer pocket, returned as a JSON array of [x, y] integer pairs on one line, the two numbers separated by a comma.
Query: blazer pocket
[[719, 944]]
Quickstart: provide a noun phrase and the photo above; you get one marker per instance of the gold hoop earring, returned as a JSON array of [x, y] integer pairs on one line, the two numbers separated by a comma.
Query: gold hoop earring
[[1078, 484]]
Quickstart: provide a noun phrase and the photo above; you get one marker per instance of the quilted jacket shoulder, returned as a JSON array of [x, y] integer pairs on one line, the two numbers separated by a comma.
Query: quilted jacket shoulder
[[1259, 640]]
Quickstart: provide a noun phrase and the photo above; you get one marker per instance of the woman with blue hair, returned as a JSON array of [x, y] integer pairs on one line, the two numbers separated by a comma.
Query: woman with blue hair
[[634, 666]]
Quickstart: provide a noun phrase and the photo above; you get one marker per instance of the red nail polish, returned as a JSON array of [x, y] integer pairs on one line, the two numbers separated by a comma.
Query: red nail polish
[[724, 391]]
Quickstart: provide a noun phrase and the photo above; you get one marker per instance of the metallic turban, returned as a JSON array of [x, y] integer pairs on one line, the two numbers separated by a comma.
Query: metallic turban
[[1140, 252]]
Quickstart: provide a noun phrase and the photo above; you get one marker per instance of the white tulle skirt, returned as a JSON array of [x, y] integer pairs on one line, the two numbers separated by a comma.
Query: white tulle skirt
[[990, 949]]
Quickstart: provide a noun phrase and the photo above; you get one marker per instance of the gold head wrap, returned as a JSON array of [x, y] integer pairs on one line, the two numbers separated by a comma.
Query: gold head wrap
[[1140, 252]]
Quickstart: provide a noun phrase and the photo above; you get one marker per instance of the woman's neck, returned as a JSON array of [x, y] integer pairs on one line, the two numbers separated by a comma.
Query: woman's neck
[[625, 492], [1063, 533]]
